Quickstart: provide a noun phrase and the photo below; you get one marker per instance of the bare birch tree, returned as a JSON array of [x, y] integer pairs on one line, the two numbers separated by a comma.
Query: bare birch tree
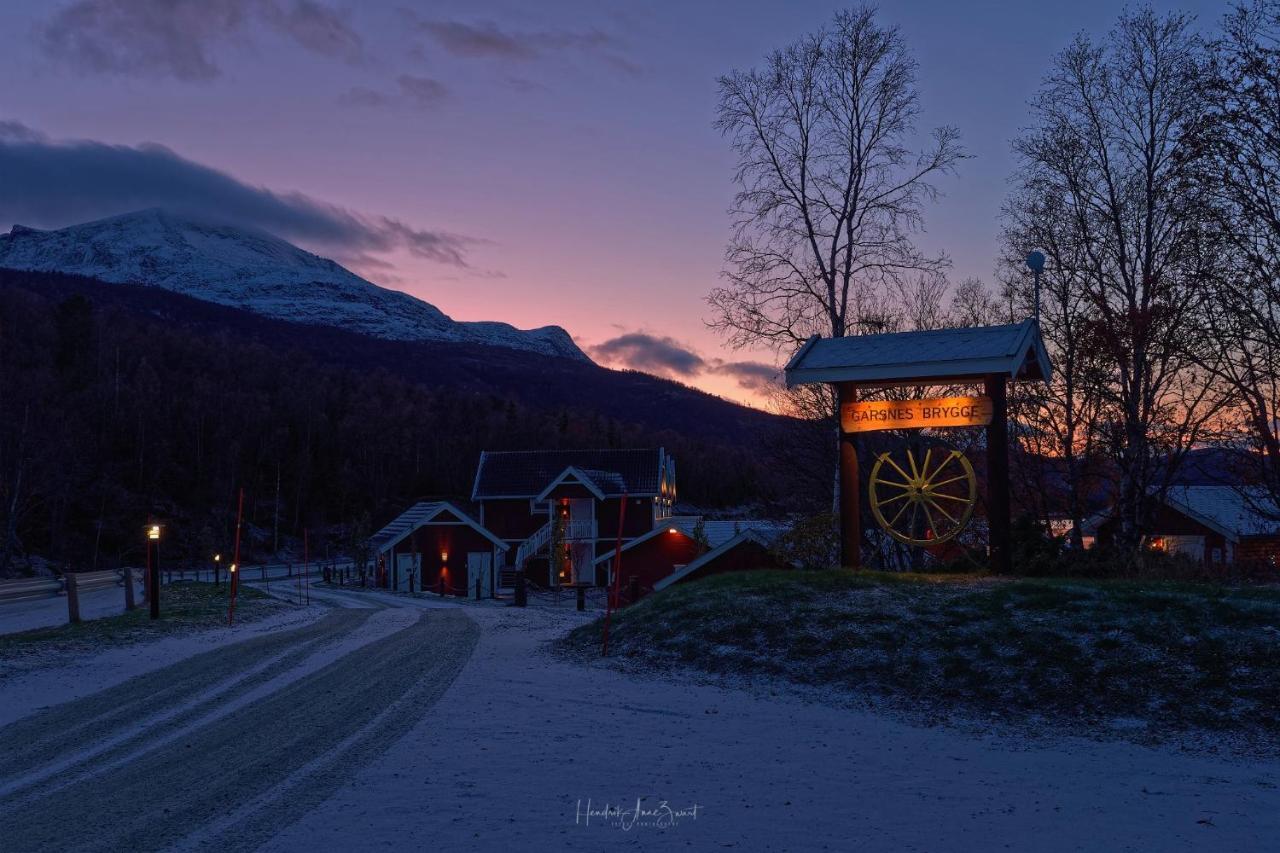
[[1110, 148], [1241, 139], [830, 191]]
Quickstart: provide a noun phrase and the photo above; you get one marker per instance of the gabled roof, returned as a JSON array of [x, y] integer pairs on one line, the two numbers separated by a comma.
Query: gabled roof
[[1016, 351], [526, 473], [762, 535], [422, 513], [1233, 512], [717, 532], [594, 482]]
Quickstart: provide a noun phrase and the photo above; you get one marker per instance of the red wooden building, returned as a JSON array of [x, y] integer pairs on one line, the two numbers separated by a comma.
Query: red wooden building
[[686, 548], [558, 510], [434, 546], [1214, 525]]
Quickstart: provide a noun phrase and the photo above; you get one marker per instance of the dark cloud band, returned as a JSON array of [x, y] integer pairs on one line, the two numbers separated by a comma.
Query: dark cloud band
[[180, 38], [51, 184], [668, 357]]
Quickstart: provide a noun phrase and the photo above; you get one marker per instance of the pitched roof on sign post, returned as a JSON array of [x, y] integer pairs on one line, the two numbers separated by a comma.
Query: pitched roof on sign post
[[1016, 351]]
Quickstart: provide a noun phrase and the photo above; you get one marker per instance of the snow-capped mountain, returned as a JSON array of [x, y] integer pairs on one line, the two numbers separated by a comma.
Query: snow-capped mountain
[[253, 270]]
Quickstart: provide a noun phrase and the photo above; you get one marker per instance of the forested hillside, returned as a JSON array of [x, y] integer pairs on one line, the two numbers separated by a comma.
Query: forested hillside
[[118, 403]]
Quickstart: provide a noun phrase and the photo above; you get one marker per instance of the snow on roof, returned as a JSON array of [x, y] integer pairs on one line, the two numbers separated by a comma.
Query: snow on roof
[[764, 533], [418, 515], [1233, 512], [1016, 351], [525, 473], [718, 533]]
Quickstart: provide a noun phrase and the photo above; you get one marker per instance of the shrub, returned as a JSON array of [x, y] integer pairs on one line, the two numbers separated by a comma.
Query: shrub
[[812, 543]]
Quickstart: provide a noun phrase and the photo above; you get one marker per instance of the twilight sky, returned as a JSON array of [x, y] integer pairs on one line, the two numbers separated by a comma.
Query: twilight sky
[[536, 163]]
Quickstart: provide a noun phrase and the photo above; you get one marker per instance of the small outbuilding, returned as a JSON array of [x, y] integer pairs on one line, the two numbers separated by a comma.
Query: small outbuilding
[[435, 546], [689, 547], [1214, 525]]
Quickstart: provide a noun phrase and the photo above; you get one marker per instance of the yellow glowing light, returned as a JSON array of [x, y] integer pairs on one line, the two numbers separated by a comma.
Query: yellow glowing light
[[153, 532], [672, 530], [444, 556], [232, 567], [217, 558]]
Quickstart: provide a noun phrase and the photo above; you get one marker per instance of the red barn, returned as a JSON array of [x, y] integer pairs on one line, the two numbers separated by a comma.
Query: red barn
[[689, 547], [434, 545]]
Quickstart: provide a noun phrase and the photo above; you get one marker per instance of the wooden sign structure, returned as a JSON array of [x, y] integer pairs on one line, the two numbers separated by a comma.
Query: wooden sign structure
[[990, 355]]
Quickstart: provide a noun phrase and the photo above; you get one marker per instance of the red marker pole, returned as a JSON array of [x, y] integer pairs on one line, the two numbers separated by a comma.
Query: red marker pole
[[235, 566], [612, 598]]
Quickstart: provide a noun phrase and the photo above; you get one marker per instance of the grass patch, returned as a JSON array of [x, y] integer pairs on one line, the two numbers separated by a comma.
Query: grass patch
[[185, 606], [1177, 655]]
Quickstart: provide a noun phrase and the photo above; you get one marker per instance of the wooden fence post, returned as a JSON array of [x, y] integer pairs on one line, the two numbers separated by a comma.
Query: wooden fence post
[[129, 602], [73, 598], [633, 589]]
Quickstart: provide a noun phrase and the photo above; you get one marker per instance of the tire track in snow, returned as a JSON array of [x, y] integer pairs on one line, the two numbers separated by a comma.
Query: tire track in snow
[[264, 766], [49, 736], [138, 736]]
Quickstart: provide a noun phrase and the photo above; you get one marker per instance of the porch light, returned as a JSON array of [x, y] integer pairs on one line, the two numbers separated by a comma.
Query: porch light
[[153, 532], [672, 530]]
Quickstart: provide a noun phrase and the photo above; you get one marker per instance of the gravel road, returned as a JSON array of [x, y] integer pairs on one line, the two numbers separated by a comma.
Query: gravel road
[[223, 749]]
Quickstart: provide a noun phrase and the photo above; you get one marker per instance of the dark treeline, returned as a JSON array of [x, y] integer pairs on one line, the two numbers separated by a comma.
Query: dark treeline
[[111, 414]]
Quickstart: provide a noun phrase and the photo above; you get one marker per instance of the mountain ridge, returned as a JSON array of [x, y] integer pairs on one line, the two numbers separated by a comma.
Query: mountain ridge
[[253, 270]]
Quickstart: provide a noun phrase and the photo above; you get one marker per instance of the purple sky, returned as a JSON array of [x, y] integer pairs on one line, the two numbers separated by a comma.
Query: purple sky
[[564, 151]]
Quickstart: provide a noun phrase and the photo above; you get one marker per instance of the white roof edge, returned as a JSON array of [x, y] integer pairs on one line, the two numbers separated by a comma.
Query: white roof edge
[[703, 559], [645, 537], [475, 486], [579, 474], [1194, 515], [804, 348], [941, 370], [439, 507]]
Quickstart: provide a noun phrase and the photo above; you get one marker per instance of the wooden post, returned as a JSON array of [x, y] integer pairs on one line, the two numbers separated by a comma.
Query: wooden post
[[998, 474], [129, 602], [850, 499], [153, 591], [582, 597], [522, 593], [73, 598], [633, 589]]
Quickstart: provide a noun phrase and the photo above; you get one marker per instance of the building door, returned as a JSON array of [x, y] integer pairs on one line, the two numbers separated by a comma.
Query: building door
[[581, 537], [479, 567], [408, 567]]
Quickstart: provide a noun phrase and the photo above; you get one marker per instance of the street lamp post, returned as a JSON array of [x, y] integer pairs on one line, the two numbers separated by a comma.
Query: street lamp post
[[153, 575], [1035, 261]]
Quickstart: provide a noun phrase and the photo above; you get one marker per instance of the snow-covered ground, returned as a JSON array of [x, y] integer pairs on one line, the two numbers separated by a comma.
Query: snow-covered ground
[[509, 756]]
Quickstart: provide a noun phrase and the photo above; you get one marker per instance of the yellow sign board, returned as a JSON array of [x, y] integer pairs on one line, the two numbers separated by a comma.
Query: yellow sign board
[[915, 414]]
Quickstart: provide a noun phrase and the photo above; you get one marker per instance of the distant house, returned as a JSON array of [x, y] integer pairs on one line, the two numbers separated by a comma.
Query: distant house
[[558, 510], [434, 545], [1214, 525], [559, 516], [686, 548]]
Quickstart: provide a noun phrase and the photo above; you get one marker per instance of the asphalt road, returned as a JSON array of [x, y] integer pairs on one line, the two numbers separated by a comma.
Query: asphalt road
[[223, 749]]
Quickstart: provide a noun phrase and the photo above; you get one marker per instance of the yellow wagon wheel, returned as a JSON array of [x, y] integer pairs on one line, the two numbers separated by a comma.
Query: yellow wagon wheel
[[924, 502]]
